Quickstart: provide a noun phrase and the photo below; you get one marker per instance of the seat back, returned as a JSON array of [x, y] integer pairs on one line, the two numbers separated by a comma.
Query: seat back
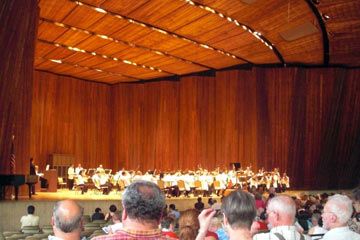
[[197, 184], [161, 184], [181, 185]]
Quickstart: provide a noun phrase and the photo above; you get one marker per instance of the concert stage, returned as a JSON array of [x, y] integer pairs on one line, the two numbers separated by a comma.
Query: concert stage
[[11, 210]]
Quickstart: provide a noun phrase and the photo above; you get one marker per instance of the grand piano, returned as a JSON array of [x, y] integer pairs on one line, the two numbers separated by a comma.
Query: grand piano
[[16, 180]]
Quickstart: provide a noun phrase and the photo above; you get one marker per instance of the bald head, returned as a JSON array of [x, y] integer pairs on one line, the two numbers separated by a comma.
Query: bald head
[[67, 216]]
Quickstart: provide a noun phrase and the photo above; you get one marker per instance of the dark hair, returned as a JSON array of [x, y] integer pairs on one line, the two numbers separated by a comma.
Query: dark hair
[[199, 199], [172, 206], [31, 209], [97, 210], [356, 195], [239, 209], [258, 196], [112, 208], [144, 201]]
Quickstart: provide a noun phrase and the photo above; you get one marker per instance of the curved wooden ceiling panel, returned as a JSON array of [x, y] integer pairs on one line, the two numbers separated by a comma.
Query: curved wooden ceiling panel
[[129, 40]]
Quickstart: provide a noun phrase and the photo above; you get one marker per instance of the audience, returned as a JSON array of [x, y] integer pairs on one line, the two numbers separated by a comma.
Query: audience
[[337, 213], [98, 215], [67, 220], [168, 227], [281, 212], [116, 219], [143, 203], [189, 226], [30, 219], [113, 210]]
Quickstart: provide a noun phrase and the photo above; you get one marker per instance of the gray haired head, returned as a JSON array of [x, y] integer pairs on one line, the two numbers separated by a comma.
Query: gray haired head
[[143, 201], [67, 216], [239, 209]]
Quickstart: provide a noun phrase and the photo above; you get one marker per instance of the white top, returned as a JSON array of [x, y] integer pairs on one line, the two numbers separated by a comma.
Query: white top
[[341, 233], [288, 232], [29, 220], [71, 173], [115, 227], [318, 230]]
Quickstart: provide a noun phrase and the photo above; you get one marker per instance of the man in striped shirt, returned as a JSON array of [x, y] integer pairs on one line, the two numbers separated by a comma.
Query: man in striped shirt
[[143, 203]]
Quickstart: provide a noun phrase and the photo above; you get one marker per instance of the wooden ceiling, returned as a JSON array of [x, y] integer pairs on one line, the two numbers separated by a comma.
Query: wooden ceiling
[[115, 41]]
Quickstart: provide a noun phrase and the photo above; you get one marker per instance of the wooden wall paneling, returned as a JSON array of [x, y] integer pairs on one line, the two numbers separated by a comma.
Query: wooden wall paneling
[[196, 123], [128, 120], [18, 28], [228, 126], [161, 125]]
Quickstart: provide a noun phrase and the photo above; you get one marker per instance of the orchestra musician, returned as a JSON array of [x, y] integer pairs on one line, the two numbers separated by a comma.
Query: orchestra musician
[[285, 182], [78, 169], [71, 175], [81, 180]]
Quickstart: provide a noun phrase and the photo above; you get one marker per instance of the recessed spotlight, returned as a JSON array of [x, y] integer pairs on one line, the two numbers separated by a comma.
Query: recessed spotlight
[[325, 16], [316, 2]]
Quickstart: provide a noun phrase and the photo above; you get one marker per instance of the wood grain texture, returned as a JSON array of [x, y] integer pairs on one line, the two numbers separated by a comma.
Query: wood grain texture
[[18, 24], [304, 121]]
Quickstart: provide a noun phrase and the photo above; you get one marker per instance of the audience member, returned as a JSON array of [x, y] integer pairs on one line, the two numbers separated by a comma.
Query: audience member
[[67, 220], [337, 212], [109, 215], [98, 215], [30, 219], [116, 219], [259, 202], [189, 226], [239, 213], [199, 205], [316, 229], [168, 227], [143, 203], [262, 220], [281, 217], [173, 211]]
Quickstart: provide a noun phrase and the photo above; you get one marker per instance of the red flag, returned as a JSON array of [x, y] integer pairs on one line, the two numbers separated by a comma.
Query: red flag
[[12, 157]]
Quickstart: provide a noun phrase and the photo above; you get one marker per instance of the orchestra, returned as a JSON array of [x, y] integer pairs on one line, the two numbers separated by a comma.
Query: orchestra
[[201, 180]]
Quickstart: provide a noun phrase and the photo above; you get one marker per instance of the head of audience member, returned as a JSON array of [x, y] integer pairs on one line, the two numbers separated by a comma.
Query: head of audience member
[[67, 219], [143, 203], [216, 222], [30, 209], [189, 224], [98, 210], [112, 209], [281, 211], [337, 211], [239, 211], [199, 199], [168, 223], [116, 218], [356, 202], [172, 207], [315, 219]]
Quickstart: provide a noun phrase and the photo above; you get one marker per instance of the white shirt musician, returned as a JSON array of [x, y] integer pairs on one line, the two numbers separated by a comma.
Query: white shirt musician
[[100, 168], [71, 174], [78, 169]]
